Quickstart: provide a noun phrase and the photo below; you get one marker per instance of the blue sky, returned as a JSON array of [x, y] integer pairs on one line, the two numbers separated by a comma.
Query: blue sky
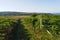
[[30, 5]]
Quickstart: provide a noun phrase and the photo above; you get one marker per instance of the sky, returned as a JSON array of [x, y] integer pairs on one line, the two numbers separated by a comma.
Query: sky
[[50, 6]]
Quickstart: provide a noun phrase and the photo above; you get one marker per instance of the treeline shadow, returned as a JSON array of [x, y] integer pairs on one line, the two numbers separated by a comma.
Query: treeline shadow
[[18, 32]]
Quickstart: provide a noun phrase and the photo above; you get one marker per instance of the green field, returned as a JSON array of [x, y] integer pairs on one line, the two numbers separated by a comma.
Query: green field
[[32, 27]]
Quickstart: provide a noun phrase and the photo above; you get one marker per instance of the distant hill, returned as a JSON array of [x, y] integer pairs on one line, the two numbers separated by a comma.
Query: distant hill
[[21, 13], [11, 13], [57, 13], [14, 13]]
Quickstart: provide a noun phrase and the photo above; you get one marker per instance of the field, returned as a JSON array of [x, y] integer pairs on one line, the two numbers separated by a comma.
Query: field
[[33, 27]]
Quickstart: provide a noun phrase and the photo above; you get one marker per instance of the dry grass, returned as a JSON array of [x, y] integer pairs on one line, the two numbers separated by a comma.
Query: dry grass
[[13, 17]]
